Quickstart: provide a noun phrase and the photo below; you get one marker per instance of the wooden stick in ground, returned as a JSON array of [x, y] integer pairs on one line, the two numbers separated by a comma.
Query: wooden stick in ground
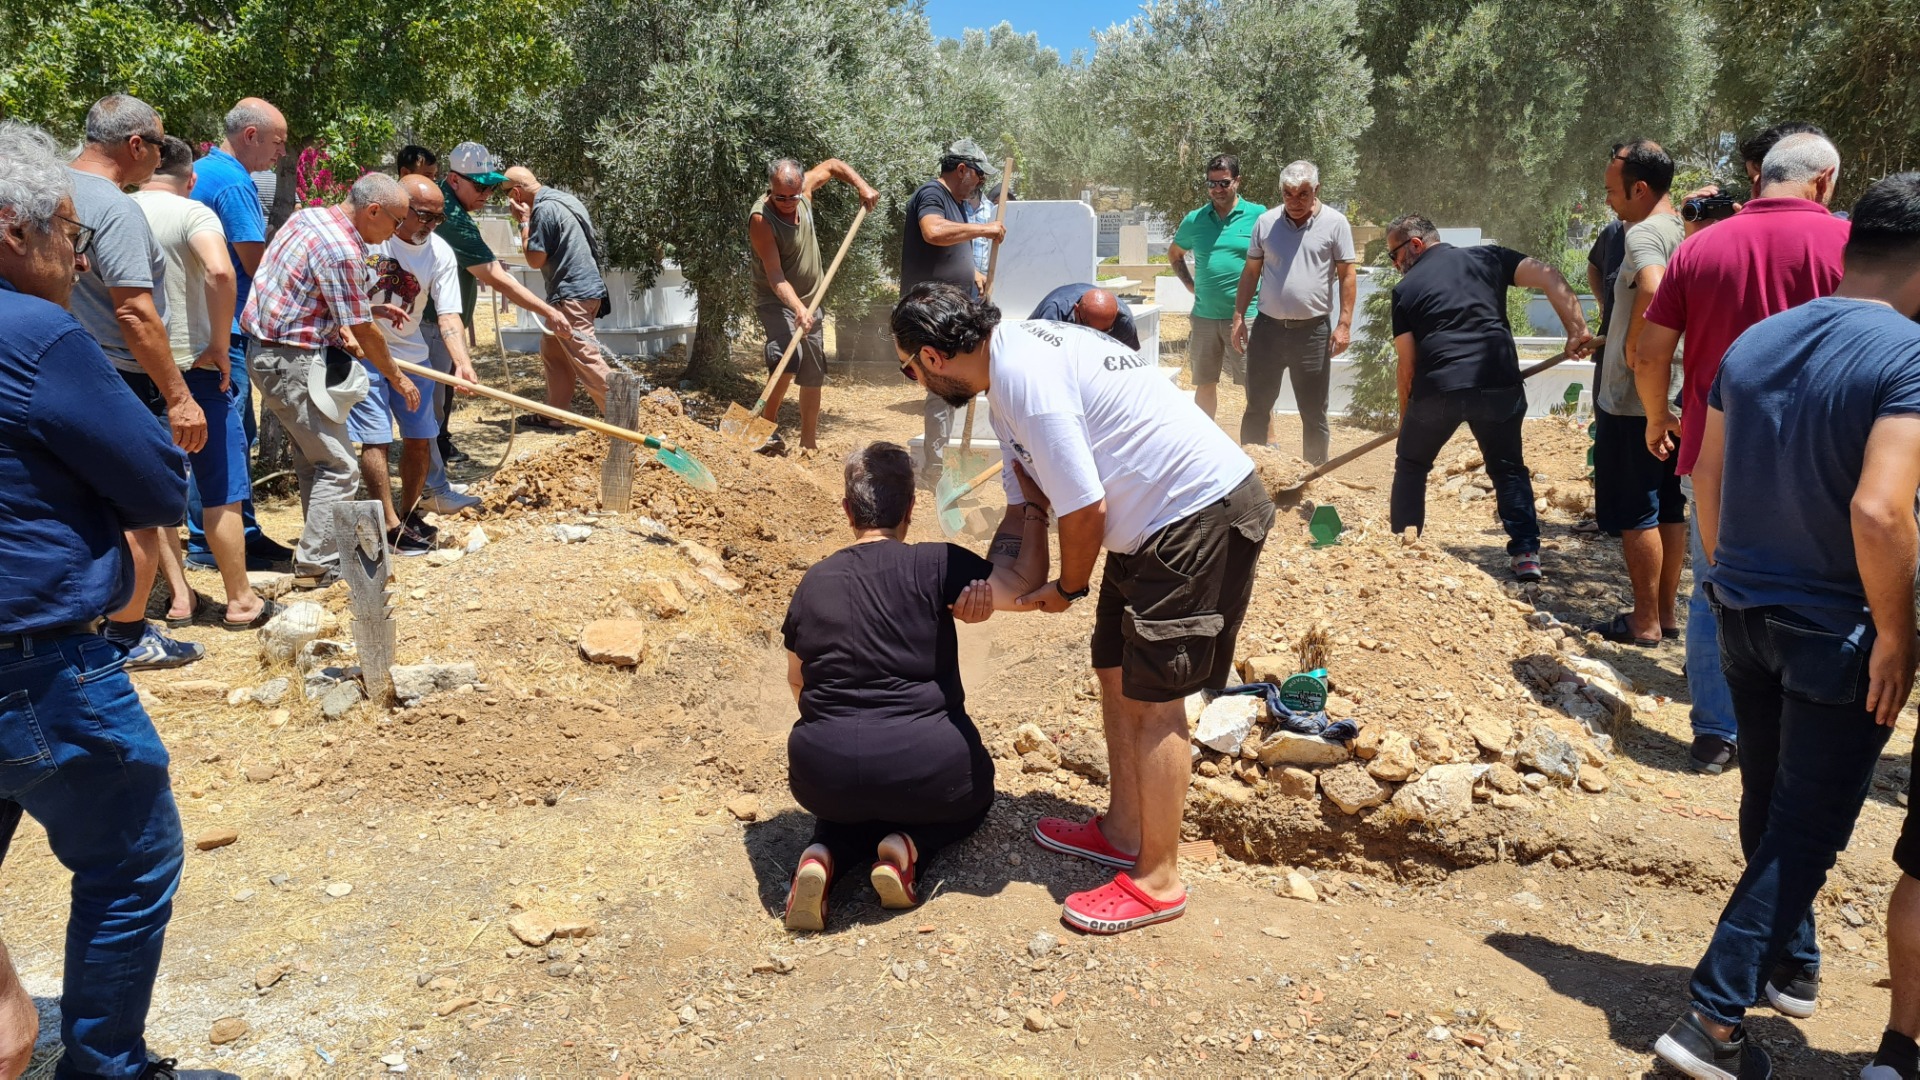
[[986, 293], [535, 407], [616, 473], [813, 309]]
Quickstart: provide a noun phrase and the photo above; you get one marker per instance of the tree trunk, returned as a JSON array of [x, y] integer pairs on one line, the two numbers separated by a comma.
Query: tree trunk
[[709, 362]]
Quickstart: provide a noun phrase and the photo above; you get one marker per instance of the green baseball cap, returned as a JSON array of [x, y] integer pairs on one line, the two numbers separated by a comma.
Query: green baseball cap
[[476, 163]]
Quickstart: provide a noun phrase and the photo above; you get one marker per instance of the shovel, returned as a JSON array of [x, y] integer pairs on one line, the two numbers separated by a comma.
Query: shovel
[[1287, 496], [669, 454], [953, 521], [746, 426], [965, 460]]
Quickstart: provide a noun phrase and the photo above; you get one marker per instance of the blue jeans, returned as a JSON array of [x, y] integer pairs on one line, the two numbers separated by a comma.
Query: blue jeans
[[1808, 748], [79, 753], [439, 359], [243, 397], [1496, 416], [1712, 712]]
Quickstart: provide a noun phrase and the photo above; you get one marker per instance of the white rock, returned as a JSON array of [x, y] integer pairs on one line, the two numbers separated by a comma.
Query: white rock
[[1441, 794], [1225, 721], [445, 556], [411, 682], [570, 534], [476, 540], [284, 634], [1290, 748]]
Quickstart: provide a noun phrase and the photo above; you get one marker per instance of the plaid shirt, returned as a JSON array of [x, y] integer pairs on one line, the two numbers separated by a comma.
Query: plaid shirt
[[312, 282]]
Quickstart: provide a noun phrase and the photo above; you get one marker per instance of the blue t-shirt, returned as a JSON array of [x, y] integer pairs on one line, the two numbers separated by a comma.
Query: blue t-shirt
[[1801, 391], [223, 184], [1057, 306]]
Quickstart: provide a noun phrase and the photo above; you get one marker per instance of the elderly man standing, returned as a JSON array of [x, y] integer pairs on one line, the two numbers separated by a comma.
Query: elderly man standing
[[1129, 466], [83, 465], [1458, 365], [561, 244], [1090, 306], [121, 300], [1219, 236], [200, 286], [310, 292], [1782, 250], [934, 247], [1300, 251], [787, 279], [255, 138]]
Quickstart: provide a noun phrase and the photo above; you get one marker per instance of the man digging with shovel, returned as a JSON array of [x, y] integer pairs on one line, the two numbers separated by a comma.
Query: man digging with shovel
[[1133, 466]]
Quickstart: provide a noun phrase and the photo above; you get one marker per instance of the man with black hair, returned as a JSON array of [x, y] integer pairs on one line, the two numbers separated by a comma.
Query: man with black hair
[[1636, 494], [416, 161], [1813, 429], [1130, 466], [1218, 236], [1458, 365]]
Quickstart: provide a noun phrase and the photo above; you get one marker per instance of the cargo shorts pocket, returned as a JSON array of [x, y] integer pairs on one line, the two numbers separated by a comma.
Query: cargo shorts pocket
[[1168, 658]]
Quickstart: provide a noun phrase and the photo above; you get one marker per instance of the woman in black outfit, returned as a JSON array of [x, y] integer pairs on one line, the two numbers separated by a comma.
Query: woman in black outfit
[[884, 755]]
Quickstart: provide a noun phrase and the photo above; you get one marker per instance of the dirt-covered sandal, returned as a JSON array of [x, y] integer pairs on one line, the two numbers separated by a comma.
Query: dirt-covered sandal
[[807, 896], [895, 883]]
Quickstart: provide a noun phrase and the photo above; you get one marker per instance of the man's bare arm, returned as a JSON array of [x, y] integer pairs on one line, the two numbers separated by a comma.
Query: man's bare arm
[[835, 169], [250, 253], [1177, 258], [1403, 349], [1708, 470], [1885, 543], [1651, 356], [453, 333], [223, 289], [507, 285], [1645, 284], [1534, 274], [940, 232], [145, 333], [760, 236], [1349, 294]]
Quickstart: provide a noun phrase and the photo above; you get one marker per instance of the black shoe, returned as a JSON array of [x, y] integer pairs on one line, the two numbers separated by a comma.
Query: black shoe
[[266, 550], [419, 525], [406, 542], [1794, 990], [1712, 754], [775, 446], [160, 1069], [1686, 1046]]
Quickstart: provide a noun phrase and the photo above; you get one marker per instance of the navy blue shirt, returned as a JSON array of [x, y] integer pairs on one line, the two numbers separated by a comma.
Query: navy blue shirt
[[1057, 306], [1800, 391], [1454, 303], [81, 461]]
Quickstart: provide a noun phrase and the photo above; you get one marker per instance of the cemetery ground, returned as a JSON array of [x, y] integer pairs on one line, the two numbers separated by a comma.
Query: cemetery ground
[[577, 869]]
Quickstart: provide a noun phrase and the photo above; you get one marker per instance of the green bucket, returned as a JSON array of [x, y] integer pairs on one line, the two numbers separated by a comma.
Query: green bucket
[[1306, 693]]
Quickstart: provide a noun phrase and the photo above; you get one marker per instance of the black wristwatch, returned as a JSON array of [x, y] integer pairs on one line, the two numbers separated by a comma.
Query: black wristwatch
[[1077, 594]]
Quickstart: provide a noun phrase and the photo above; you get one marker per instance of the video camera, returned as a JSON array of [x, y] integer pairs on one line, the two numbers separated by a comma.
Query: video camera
[[1707, 208]]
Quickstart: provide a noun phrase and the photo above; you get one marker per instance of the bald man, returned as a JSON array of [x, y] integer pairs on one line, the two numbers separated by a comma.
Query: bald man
[[559, 241], [1092, 307], [407, 271]]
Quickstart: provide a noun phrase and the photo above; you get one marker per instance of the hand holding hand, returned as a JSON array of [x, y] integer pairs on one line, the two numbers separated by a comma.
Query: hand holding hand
[[975, 604], [1048, 597]]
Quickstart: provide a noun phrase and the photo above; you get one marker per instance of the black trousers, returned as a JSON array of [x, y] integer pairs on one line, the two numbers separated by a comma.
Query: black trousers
[[1275, 347], [929, 778], [1495, 416]]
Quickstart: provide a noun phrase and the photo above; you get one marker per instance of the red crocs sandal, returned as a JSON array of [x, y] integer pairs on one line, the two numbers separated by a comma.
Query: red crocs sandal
[[1080, 838], [807, 897], [895, 883], [1117, 907]]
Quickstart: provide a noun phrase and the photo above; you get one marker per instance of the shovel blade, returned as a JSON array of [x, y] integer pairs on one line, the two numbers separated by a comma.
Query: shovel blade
[[749, 429], [687, 468]]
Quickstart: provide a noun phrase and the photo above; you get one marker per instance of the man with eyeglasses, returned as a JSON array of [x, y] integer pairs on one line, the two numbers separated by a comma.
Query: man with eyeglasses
[[787, 277], [1459, 365], [83, 465], [122, 301], [310, 296], [560, 242], [1301, 259], [1218, 236], [935, 246]]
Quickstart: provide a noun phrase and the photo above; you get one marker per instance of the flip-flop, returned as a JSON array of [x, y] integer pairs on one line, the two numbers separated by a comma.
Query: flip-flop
[[200, 605], [1671, 633], [1619, 632], [807, 896], [1118, 906], [268, 609], [895, 883]]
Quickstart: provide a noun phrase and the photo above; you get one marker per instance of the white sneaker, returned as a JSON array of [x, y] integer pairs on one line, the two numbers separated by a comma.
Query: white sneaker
[[451, 502], [458, 489]]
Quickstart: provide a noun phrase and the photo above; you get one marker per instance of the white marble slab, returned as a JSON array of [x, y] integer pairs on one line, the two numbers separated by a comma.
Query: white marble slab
[[1048, 244]]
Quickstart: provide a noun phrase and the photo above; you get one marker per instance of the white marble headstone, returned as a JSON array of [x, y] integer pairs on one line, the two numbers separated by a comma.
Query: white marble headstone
[[1133, 245], [1048, 244]]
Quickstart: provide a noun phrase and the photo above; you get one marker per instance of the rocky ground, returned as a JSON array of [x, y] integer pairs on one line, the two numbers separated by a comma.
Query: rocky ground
[[552, 866]]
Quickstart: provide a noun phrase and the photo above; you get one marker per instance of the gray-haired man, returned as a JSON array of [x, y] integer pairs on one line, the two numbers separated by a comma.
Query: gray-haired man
[[1300, 250]]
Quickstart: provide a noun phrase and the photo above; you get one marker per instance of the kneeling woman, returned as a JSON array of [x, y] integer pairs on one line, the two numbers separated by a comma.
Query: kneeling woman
[[884, 755]]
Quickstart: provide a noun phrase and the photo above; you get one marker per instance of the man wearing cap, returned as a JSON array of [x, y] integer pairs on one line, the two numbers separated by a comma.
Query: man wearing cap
[[934, 247], [787, 279], [311, 294], [1091, 306]]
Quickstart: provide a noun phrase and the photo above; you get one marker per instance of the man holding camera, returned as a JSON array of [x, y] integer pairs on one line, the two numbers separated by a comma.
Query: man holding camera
[[1781, 250]]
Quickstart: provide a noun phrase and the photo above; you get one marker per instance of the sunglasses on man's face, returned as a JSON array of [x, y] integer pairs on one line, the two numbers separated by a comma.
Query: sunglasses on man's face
[[484, 189], [431, 218], [1220, 185]]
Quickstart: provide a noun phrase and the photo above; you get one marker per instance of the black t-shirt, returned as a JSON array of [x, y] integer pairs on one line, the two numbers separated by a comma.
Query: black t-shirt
[[874, 636], [1609, 250], [1454, 303], [921, 261]]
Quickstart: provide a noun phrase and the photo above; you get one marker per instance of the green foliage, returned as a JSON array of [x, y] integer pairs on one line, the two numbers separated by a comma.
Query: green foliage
[[1269, 81], [1375, 401]]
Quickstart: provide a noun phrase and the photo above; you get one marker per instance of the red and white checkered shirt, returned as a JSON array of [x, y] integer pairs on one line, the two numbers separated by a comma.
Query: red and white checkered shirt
[[312, 281]]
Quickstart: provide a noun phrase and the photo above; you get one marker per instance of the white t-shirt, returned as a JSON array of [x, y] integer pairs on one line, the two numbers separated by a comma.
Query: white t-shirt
[[1090, 420], [407, 275], [175, 220]]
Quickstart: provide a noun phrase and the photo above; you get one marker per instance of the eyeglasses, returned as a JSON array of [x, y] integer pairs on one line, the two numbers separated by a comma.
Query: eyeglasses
[[82, 235], [484, 189], [153, 140], [1220, 185], [777, 197], [907, 372], [432, 219], [1393, 253]]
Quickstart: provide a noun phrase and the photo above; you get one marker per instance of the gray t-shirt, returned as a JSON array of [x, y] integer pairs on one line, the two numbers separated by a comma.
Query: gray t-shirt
[[560, 227], [124, 255], [1298, 262], [1649, 243]]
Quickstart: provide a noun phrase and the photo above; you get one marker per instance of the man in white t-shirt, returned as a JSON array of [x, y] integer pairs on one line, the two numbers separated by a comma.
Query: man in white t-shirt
[[403, 274], [1133, 466], [200, 290]]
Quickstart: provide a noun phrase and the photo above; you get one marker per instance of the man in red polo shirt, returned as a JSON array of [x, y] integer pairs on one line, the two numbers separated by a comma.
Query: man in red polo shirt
[[1781, 250]]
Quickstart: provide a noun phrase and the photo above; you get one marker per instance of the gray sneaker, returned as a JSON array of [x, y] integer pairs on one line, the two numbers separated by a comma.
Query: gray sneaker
[[448, 503], [1687, 1046]]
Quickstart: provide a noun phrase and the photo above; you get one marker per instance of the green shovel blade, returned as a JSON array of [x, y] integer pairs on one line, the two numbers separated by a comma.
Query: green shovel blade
[[683, 465]]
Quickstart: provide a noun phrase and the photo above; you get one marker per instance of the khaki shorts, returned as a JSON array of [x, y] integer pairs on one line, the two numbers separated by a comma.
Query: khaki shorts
[[1210, 347], [1168, 614]]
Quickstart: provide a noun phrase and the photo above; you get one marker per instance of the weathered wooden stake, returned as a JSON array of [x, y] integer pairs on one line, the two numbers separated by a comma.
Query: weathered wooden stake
[[359, 529], [616, 473]]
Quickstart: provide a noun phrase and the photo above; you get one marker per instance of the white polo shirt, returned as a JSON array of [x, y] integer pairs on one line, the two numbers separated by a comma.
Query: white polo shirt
[[1090, 419]]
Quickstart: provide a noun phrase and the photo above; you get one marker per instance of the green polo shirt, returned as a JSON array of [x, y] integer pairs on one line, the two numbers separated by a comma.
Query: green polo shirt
[[462, 234], [1219, 254]]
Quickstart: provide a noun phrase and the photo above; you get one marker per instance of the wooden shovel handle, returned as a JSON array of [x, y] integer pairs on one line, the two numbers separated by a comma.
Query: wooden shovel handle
[[604, 428], [986, 290], [819, 294]]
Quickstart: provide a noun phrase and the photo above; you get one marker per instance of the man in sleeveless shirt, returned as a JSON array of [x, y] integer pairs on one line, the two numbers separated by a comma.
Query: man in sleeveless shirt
[[787, 274]]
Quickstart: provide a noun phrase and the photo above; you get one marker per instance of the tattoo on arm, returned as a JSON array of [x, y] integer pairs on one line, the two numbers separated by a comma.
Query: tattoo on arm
[[1007, 544]]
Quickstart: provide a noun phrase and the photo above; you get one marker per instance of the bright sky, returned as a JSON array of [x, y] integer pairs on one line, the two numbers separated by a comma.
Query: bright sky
[[1065, 25]]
